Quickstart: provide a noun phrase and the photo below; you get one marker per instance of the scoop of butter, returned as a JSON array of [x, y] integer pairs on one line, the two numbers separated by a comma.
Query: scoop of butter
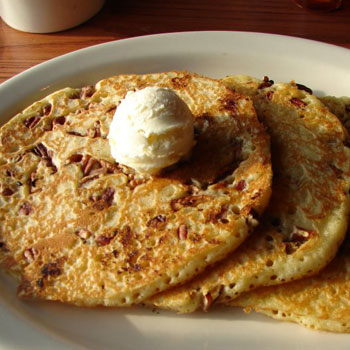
[[152, 129]]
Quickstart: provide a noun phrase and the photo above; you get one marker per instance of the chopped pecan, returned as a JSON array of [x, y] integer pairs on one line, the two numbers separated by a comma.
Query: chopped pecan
[[29, 254], [89, 164], [347, 108], [84, 234], [25, 209], [136, 267], [182, 232], [75, 158], [46, 110], [230, 104], [188, 201], [296, 239], [304, 88], [105, 200], [51, 269], [7, 191], [252, 218], [41, 151], [157, 221], [59, 120], [108, 196], [95, 131], [126, 236], [269, 95], [9, 173], [133, 183], [298, 102], [219, 216], [301, 235], [111, 109], [87, 91], [31, 121], [240, 185], [74, 133], [180, 82], [103, 240], [46, 155], [266, 83], [208, 300]]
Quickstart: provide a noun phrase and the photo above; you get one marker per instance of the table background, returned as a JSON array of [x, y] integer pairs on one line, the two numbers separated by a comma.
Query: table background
[[125, 19]]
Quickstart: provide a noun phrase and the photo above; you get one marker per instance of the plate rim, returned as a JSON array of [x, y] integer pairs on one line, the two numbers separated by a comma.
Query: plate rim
[[8, 84]]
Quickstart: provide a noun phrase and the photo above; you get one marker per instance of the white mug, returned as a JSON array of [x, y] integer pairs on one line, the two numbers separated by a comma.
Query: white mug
[[47, 16]]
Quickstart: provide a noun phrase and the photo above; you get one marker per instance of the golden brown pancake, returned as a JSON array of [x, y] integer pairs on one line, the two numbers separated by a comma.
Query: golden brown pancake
[[320, 302], [306, 220], [80, 228]]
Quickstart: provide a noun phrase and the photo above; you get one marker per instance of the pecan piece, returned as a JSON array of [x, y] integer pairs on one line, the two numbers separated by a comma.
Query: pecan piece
[[304, 88], [182, 232], [180, 82], [103, 240], [25, 209], [84, 234], [108, 196], [208, 300], [269, 95], [230, 104], [75, 158], [266, 83], [220, 216], [188, 201], [41, 151], [46, 110], [90, 164], [51, 269], [9, 173], [29, 254], [126, 236], [296, 239], [240, 185], [31, 122], [156, 222], [105, 200], [59, 120], [87, 91], [7, 192], [298, 102], [95, 131]]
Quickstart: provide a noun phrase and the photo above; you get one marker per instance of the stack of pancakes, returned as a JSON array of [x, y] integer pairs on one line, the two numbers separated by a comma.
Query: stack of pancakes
[[262, 201]]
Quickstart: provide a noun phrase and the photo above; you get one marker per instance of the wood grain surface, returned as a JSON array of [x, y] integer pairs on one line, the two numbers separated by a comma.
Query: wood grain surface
[[125, 19]]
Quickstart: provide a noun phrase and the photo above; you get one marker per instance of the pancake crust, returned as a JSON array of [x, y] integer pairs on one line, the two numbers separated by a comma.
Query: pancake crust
[[80, 228], [306, 220]]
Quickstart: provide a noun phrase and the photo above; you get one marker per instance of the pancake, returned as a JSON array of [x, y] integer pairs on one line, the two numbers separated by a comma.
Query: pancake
[[339, 106], [321, 302], [79, 228], [306, 220]]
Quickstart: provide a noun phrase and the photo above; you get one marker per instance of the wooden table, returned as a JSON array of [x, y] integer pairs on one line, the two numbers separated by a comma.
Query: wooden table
[[125, 19]]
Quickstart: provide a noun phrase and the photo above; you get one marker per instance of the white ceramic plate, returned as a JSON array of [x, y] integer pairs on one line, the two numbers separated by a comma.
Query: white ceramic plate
[[42, 325]]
